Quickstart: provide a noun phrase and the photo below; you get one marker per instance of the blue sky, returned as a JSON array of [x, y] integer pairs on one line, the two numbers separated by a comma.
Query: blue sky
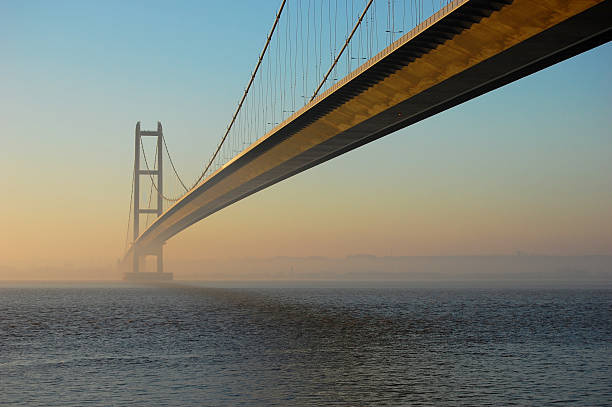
[[530, 162]]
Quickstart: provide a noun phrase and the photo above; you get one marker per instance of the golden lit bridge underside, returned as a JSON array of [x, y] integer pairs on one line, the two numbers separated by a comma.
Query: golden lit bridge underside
[[466, 49]]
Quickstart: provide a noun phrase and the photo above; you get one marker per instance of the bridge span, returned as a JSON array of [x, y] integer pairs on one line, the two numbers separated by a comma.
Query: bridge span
[[466, 49]]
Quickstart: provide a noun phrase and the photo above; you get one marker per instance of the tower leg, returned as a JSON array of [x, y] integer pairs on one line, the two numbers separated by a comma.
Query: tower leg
[[136, 229], [136, 262], [160, 259]]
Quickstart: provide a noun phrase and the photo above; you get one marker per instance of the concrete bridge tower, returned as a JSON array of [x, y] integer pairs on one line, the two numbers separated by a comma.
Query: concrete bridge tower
[[138, 271]]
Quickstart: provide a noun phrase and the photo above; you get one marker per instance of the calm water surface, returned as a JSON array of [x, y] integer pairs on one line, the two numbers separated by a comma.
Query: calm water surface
[[95, 344]]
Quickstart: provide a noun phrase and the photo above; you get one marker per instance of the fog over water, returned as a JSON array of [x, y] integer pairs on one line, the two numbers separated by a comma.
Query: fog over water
[[517, 270]]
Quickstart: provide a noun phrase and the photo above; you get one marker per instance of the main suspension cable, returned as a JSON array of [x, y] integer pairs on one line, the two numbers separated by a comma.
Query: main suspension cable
[[246, 92], [151, 176], [127, 233], [151, 188], [331, 68], [172, 165]]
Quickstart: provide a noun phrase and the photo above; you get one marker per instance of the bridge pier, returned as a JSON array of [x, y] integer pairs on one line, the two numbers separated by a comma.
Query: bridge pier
[[160, 260], [138, 271]]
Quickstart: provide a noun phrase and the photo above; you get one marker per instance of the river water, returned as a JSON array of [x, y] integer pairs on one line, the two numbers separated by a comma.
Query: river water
[[119, 344]]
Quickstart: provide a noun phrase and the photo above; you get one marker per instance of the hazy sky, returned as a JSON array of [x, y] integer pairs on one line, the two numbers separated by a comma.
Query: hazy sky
[[527, 167]]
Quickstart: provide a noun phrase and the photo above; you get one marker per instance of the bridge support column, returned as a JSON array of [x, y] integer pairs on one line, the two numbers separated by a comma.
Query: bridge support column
[[138, 271], [160, 260]]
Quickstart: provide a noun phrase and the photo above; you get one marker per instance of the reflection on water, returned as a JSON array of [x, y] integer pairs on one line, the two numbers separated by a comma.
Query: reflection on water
[[179, 345]]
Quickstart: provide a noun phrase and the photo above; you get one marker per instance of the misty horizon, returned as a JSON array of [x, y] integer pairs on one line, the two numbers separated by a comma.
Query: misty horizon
[[551, 269]]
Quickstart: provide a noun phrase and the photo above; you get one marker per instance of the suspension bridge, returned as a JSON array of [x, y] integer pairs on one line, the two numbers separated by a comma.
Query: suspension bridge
[[334, 75]]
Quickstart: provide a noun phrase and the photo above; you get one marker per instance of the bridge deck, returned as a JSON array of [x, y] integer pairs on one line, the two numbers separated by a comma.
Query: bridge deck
[[466, 49]]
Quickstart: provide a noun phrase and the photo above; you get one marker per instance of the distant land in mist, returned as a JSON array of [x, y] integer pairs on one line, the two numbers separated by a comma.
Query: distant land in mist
[[360, 267], [591, 269]]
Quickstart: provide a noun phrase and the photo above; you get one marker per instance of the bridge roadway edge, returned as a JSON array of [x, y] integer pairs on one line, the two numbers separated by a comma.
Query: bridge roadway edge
[[539, 51]]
